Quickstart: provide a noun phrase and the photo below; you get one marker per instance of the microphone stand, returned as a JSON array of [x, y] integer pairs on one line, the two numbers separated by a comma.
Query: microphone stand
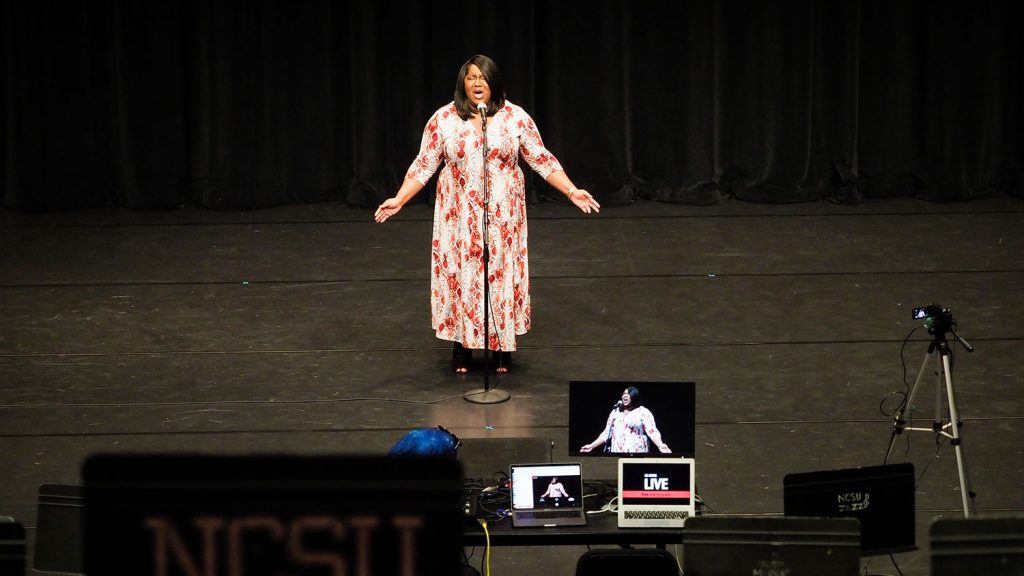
[[611, 430], [486, 395]]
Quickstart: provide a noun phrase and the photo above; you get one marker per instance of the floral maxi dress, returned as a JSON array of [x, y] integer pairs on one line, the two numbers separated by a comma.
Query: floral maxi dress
[[456, 279]]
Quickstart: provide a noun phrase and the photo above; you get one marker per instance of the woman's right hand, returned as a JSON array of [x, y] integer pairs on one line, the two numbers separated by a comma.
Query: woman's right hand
[[387, 209]]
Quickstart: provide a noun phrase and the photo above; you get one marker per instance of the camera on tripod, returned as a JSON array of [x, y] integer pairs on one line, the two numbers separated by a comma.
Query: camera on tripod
[[939, 319]]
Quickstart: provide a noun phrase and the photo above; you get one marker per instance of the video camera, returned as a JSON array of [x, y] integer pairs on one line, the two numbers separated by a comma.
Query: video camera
[[938, 319]]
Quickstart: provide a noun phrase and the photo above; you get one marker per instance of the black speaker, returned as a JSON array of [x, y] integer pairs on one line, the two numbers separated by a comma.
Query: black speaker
[[993, 546], [59, 529], [271, 514], [731, 545], [12, 546]]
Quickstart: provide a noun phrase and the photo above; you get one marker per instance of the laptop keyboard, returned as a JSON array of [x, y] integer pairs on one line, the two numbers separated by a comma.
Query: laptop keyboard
[[654, 514], [546, 514]]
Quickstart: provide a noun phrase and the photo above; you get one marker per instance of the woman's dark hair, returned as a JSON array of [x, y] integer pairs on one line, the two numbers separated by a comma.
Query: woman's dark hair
[[634, 397], [493, 75]]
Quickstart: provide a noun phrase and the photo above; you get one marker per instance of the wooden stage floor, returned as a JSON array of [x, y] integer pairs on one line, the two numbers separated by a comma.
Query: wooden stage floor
[[305, 329]]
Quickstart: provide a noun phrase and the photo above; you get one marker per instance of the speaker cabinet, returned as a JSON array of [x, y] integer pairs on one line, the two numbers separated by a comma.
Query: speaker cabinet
[[59, 530]]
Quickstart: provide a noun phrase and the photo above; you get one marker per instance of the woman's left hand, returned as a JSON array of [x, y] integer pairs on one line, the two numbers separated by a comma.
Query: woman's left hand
[[584, 201]]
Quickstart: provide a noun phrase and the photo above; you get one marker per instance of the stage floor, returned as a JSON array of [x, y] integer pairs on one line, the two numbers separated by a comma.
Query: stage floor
[[305, 329]]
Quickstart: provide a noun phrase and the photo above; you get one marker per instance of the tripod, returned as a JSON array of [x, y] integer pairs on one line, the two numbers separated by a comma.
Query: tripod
[[939, 326]]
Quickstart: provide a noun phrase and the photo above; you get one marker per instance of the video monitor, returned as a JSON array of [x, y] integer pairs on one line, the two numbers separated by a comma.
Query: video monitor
[[622, 418]]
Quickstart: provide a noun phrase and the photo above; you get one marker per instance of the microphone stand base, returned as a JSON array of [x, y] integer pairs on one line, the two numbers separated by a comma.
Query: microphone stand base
[[483, 396]]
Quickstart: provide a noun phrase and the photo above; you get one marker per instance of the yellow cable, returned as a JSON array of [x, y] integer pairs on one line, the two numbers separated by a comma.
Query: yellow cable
[[487, 548]]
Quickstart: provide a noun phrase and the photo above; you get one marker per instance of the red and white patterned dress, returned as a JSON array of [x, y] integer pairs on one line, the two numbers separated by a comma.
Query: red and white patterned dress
[[456, 278], [629, 430]]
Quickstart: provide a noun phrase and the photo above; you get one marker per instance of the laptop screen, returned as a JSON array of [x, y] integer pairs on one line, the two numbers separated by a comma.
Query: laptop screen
[[542, 486], [656, 482]]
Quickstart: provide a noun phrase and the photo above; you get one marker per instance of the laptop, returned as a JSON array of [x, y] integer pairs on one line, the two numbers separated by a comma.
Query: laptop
[[656, 492], [881, 497], [547, 495]]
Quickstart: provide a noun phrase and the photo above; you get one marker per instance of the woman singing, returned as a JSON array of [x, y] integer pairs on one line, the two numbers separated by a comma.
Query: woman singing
[[555, 490], [629, 427], [454, 137]]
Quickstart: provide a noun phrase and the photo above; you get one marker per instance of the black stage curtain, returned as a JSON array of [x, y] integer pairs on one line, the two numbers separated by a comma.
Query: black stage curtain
[[241, 104]]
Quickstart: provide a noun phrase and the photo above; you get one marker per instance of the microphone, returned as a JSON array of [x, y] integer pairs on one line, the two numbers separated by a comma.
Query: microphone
[[483, 113], [618, 406]]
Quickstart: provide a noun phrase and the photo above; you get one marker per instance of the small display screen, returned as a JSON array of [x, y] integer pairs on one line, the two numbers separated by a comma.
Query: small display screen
[[656, 484], [618, 418]]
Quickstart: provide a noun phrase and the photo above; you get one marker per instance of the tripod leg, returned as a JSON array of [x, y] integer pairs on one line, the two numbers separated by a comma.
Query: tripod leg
[[900, 423], [954, 425], [940, 371]]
